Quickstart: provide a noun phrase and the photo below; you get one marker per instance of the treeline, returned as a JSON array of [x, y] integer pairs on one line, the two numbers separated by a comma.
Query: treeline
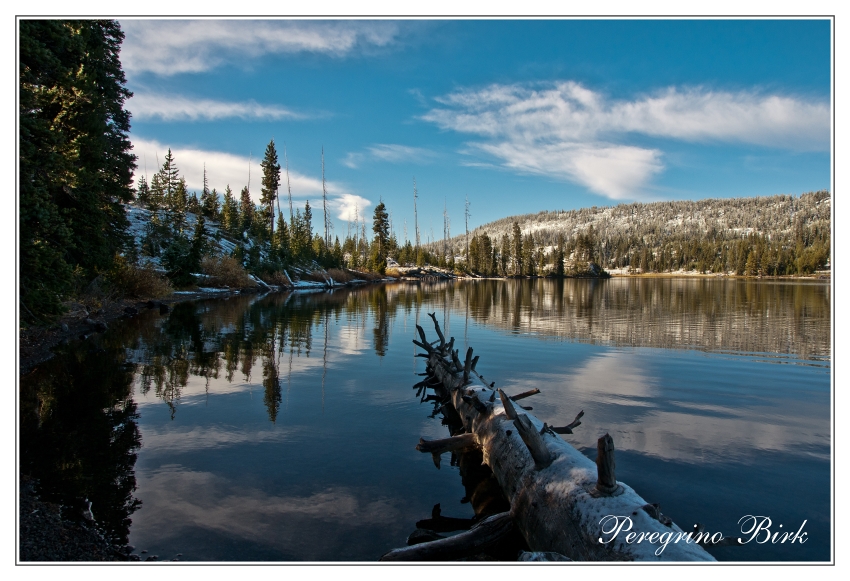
[[76, 165], [779, 235], [265, 241], [521, 254]]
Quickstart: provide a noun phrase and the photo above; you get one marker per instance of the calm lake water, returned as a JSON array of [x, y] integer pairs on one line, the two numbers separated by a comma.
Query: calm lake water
[[283, 427]]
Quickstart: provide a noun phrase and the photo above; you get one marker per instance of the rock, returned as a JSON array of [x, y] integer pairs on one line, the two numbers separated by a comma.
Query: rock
[[164, 309], [151, 304], [89, 321], [100, 326], [64, 327], [131, 310]]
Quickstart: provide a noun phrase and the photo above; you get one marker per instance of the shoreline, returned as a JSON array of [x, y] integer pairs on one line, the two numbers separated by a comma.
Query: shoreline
[[36, 344]]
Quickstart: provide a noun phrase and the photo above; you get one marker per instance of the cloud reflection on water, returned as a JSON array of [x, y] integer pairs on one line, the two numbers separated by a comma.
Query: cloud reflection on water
[[647, 416], [235, 509]]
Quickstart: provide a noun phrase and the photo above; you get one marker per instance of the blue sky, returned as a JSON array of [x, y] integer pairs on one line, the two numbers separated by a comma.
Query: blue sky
[[519, 115]]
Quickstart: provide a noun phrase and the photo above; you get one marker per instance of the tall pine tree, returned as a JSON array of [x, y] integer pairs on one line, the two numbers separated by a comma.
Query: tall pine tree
[[271, 182]]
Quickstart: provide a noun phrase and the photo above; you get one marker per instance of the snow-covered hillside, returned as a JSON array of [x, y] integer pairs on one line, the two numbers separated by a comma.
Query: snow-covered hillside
[[772, 216]]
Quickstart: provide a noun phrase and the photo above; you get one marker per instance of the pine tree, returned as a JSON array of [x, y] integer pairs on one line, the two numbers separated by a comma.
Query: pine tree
[[280, 241], [170, 180], [517, 249], [210, 206], [230, 220], [143, 192], [270, 182], [381, 228], [246, 210]]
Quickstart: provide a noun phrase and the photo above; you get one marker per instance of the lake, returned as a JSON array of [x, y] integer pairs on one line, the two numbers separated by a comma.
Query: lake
[[282, 427]]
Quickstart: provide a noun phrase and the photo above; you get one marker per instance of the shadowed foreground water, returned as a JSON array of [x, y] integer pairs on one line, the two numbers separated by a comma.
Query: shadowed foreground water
[[282, 427]]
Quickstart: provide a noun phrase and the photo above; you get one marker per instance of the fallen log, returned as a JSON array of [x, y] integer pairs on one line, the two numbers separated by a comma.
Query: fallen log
[[561, 501]]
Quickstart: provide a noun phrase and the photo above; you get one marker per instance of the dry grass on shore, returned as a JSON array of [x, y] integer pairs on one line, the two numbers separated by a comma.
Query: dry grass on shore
[[131, 281], [225, 271]]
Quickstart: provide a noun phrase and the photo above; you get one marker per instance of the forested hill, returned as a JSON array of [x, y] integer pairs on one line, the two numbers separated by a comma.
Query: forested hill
[[726, 218], [705, 235]]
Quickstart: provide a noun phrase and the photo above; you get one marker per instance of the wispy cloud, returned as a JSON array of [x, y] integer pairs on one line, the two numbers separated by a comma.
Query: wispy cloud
[[389, 152], [570, 132], [181, 108], [169, 47], [227, 168]]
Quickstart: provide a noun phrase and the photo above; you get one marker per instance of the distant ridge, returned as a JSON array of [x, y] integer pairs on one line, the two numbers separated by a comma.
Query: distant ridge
[[728, 217], [622, 232]]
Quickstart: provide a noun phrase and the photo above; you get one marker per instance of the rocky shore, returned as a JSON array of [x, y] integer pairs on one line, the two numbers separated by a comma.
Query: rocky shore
[[49, 533]]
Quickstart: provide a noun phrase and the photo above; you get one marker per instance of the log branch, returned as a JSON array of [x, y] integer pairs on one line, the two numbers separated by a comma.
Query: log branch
[[445, 524], [452, 444], [525, 394], [456, 361], [510, 410], [467, 365], [605, 465], [534, 442], [425, 344], [439, 332], [483, 535], [568, 429]]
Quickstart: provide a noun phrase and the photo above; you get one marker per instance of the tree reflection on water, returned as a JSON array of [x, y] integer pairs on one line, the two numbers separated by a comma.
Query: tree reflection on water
[[79, 433]]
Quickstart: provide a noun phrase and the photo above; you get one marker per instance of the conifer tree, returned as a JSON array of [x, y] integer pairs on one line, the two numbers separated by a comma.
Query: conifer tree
[[516, 244], [381, 228], [143, 191], [246, 210], [271, 182], [230, 212], [170, 180], [210, 206]]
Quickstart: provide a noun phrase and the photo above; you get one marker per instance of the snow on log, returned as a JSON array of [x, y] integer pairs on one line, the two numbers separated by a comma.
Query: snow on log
[[561, 501]]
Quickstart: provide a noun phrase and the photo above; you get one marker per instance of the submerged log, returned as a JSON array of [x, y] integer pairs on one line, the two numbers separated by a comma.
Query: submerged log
[[552, 487], [477, 539]]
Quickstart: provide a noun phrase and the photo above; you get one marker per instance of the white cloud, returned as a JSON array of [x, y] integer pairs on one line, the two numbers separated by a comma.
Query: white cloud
[[617, 171], [169, 47], [227, 168], [180, 108], [567, 131], [349, 206], [389, 152]]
